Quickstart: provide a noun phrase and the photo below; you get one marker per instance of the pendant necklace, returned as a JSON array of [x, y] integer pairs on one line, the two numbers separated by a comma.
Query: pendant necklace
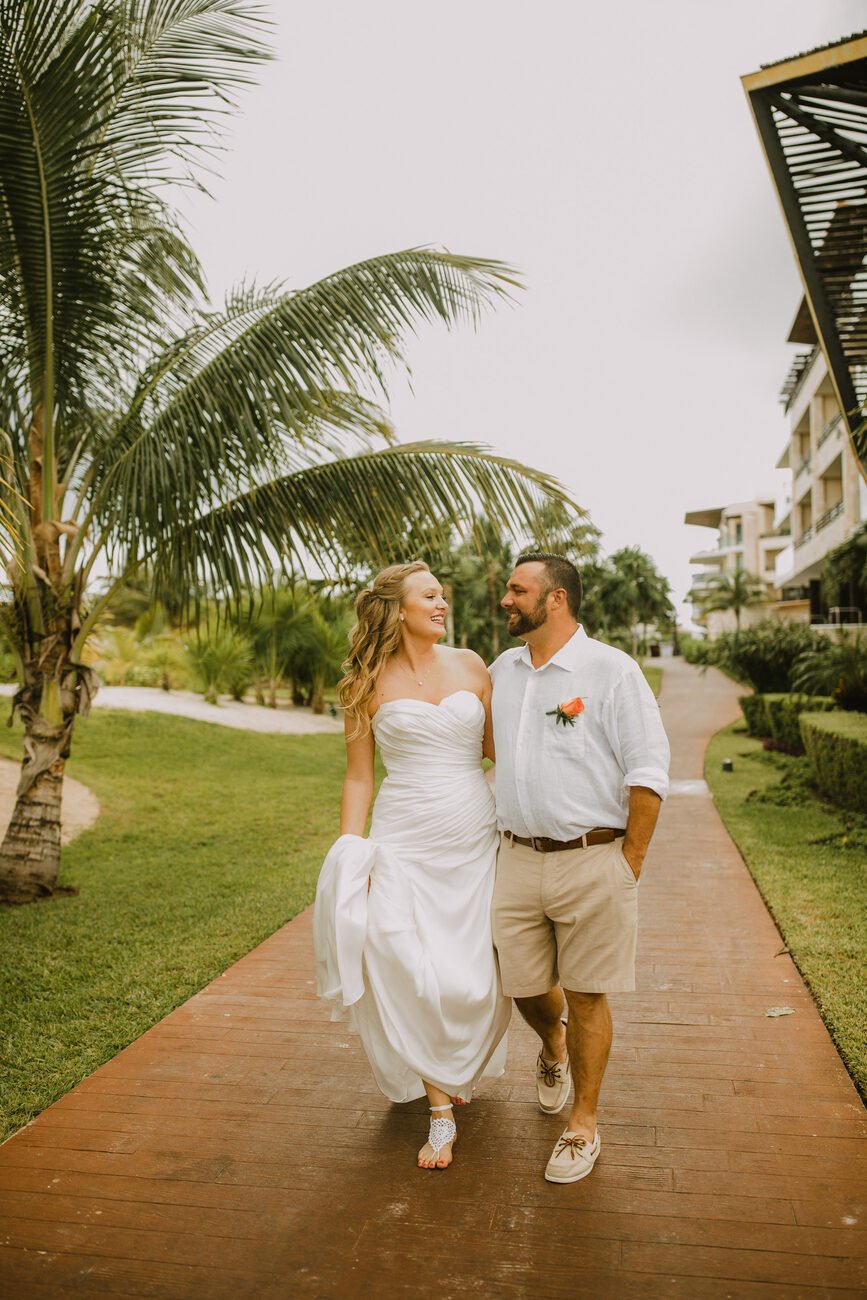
[[418, 681]]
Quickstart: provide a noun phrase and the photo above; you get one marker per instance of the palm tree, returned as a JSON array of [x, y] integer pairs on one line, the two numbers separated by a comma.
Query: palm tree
[[633, 591], [736, 591], [145, 429]]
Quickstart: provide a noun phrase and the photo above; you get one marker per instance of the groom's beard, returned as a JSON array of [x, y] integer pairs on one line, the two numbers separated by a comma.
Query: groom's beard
[[520, 624]]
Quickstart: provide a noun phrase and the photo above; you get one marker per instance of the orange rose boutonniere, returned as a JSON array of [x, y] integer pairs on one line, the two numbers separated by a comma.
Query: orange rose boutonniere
[[568, 711]]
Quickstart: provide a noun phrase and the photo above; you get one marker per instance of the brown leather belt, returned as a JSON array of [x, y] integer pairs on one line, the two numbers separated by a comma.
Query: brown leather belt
[[542, 844]]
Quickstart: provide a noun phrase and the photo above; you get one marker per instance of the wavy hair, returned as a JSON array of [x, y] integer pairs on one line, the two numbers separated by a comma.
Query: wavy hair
[[373, 640]]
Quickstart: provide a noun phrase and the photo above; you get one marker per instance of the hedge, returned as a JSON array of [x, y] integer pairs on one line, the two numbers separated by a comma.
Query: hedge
[[783, 712], [836, 745], [753, 709], [776, 715]]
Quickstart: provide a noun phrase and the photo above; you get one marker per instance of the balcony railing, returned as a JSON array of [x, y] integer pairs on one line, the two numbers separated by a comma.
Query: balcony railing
[[825, 519], [834, 423], [803, 467], [806, 536]]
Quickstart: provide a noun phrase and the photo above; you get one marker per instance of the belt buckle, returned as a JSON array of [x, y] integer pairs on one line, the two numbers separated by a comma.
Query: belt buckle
[[538, 843]]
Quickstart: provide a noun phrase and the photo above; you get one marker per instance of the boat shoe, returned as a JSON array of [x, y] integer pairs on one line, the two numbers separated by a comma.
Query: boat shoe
[[573, 1158], [552, 1085]]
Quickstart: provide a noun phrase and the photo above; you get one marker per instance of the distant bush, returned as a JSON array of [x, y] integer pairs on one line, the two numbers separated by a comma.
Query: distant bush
[[762, 656], [123, 659], [695, 650], [8, 667], [836, 668], [142, 675], [836, 745]]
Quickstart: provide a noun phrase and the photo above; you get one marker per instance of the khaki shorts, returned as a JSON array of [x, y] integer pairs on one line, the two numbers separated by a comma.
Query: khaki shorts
[[566, 918]]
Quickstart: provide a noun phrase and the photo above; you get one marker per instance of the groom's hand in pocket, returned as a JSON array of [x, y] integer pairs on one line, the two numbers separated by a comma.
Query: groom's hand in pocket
[[644, 805]]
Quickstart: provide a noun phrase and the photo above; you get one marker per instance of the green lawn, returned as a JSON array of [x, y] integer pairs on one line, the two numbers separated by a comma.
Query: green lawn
[[653, 673], [209, 840], [810, 862]]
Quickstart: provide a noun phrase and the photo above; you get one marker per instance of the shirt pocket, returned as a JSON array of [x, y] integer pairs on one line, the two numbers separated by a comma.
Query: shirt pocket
[[568, 741]]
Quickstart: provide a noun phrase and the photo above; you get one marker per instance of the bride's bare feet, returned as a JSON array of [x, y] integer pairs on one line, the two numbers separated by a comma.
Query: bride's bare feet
[[437, 1151]]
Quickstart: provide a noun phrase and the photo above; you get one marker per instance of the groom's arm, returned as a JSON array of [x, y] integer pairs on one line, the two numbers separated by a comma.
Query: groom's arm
[[644, 806], [638, 739]]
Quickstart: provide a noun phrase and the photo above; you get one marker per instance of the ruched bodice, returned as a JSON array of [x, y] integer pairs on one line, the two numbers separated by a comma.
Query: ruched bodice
[[419, 740], [435, 793], [413, 955]]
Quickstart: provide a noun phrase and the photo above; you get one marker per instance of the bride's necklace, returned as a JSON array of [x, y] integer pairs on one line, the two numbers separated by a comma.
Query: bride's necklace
[[419, 681]]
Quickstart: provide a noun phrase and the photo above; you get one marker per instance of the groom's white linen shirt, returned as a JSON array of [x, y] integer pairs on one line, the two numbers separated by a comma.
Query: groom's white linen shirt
[[562, 781]]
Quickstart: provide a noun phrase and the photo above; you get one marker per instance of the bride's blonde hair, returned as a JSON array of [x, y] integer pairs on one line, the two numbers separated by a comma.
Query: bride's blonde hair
[[372, 641]]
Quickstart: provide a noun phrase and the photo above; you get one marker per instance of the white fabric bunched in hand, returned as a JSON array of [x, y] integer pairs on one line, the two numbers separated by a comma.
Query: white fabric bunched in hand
[[340, 920]]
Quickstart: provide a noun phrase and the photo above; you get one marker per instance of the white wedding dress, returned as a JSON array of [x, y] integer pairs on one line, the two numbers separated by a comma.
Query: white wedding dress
[[413, 959]]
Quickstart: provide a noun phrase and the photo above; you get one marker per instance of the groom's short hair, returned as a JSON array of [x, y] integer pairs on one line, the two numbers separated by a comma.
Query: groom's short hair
[[560, 572]]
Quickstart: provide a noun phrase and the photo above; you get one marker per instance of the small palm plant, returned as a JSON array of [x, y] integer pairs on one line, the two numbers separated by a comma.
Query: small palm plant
[[222, 661], [147, 430]]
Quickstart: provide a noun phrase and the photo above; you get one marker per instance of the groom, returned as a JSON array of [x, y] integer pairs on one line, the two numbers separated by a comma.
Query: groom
[[582, 768]]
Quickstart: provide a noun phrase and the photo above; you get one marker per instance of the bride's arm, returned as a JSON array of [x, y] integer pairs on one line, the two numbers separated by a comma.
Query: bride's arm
[[357, 785], [488, 741]]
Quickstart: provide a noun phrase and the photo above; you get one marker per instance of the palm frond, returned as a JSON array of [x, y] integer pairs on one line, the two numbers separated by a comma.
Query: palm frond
[[181, 64], [87, 261], [283, 350], [220, 402], [388, 500]]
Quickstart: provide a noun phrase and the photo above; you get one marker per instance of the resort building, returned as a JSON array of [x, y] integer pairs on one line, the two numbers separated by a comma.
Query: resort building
[[828, 496], [747, 539], [810, 113]]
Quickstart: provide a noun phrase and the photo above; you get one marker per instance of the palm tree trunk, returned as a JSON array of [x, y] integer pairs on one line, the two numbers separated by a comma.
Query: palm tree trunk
[[30, 853]]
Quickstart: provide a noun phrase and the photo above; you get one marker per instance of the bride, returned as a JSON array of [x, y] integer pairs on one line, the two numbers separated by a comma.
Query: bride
[[402, 921]]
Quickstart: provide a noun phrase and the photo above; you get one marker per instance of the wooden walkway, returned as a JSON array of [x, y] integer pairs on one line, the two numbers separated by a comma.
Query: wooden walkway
[[240, 1150]]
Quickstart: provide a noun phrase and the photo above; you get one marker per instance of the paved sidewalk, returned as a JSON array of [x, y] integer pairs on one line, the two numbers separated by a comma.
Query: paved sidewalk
[[240, 1150], [283, 721]]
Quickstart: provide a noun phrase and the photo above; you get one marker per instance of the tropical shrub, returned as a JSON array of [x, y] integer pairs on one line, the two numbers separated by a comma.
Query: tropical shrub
[[836, 746], [763, 656], [838, 668], [222, 662]]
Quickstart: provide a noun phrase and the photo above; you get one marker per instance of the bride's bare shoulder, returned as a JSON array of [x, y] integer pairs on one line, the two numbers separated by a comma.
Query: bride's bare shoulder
[[465, 662]]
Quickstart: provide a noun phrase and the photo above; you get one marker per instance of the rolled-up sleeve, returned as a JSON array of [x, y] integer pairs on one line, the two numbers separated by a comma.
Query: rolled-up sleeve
[[639, 736]]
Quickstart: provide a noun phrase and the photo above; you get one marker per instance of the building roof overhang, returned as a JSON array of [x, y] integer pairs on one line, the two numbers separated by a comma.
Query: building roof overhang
[[811, 115], [803, 330], [704, 518]]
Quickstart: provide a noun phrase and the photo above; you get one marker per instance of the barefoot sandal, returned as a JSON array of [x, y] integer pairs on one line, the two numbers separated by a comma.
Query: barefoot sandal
[[442, 1131]]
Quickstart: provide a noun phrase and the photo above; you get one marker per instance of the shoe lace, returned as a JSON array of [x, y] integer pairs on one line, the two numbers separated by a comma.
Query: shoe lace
[[574, 1145], [550, 1073]]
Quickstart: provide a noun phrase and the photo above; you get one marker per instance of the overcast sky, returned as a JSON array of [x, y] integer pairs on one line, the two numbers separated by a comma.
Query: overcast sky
[[605, 149]]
